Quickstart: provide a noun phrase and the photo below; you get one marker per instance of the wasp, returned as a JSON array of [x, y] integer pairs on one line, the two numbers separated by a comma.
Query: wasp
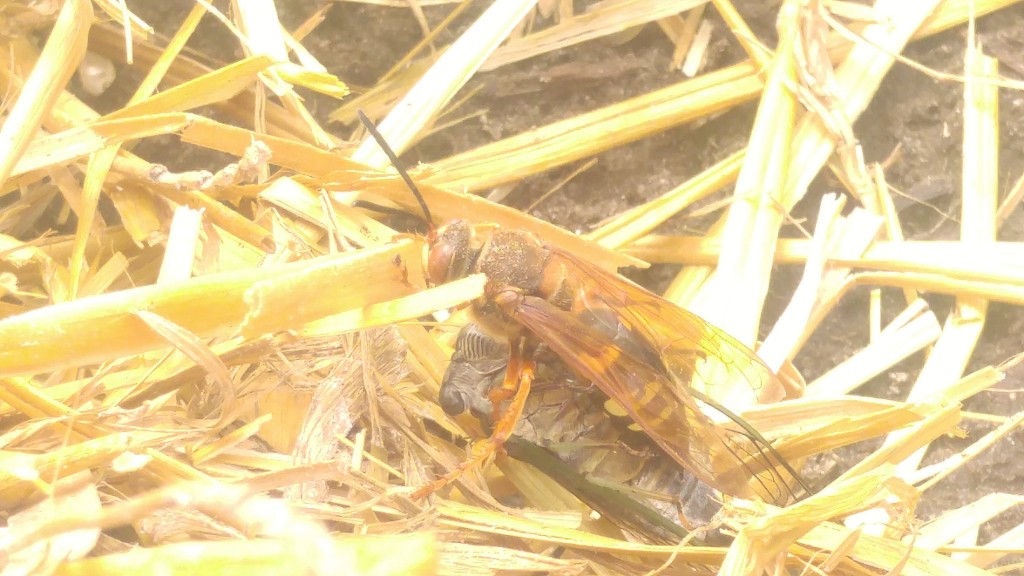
[[647, 355]]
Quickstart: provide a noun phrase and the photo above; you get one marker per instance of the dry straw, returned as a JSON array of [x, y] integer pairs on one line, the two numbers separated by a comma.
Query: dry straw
[[213, 371]]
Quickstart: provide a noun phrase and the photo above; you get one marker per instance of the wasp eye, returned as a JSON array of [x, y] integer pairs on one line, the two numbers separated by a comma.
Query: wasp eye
[[439, 262]]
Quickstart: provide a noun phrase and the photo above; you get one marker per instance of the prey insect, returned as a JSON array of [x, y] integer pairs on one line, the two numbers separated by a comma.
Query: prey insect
[[651, 357], [566, 433]]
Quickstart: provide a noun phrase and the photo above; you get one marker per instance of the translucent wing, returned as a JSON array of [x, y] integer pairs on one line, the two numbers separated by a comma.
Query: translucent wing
[[672, 420], [686, 343], [647, 362]]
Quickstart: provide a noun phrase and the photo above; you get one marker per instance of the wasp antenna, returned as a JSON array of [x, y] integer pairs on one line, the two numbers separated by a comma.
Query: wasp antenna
[[396, 163]]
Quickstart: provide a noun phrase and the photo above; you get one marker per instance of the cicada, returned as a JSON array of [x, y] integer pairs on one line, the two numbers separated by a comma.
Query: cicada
[[566, 433], [650, 357]]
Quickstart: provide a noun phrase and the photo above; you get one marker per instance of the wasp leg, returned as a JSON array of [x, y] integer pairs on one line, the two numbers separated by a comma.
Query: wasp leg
[[510, 385], [504, 425]]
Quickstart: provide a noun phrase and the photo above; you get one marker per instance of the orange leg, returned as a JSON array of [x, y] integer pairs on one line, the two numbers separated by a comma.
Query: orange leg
[[509, 386], [516, 385], [518, 382]]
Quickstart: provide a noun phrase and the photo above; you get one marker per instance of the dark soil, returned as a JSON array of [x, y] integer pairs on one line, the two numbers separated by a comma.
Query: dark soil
[[917, 113]]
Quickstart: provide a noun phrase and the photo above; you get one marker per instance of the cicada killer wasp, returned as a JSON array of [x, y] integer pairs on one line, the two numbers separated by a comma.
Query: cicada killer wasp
[[646, 354]]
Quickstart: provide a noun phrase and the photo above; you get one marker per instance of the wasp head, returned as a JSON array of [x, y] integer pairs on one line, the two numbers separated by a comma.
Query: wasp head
[[451, 253]]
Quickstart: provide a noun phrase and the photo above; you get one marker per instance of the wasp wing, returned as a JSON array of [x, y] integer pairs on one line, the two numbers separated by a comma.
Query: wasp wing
[[694, 350], [692, 356], [673, 420]]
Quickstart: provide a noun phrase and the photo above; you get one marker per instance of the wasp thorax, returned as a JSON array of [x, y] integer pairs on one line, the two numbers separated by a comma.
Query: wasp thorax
[[451, 254]]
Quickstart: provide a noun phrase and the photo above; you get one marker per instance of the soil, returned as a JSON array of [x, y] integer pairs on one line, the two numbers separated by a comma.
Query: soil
[[914, 112]]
